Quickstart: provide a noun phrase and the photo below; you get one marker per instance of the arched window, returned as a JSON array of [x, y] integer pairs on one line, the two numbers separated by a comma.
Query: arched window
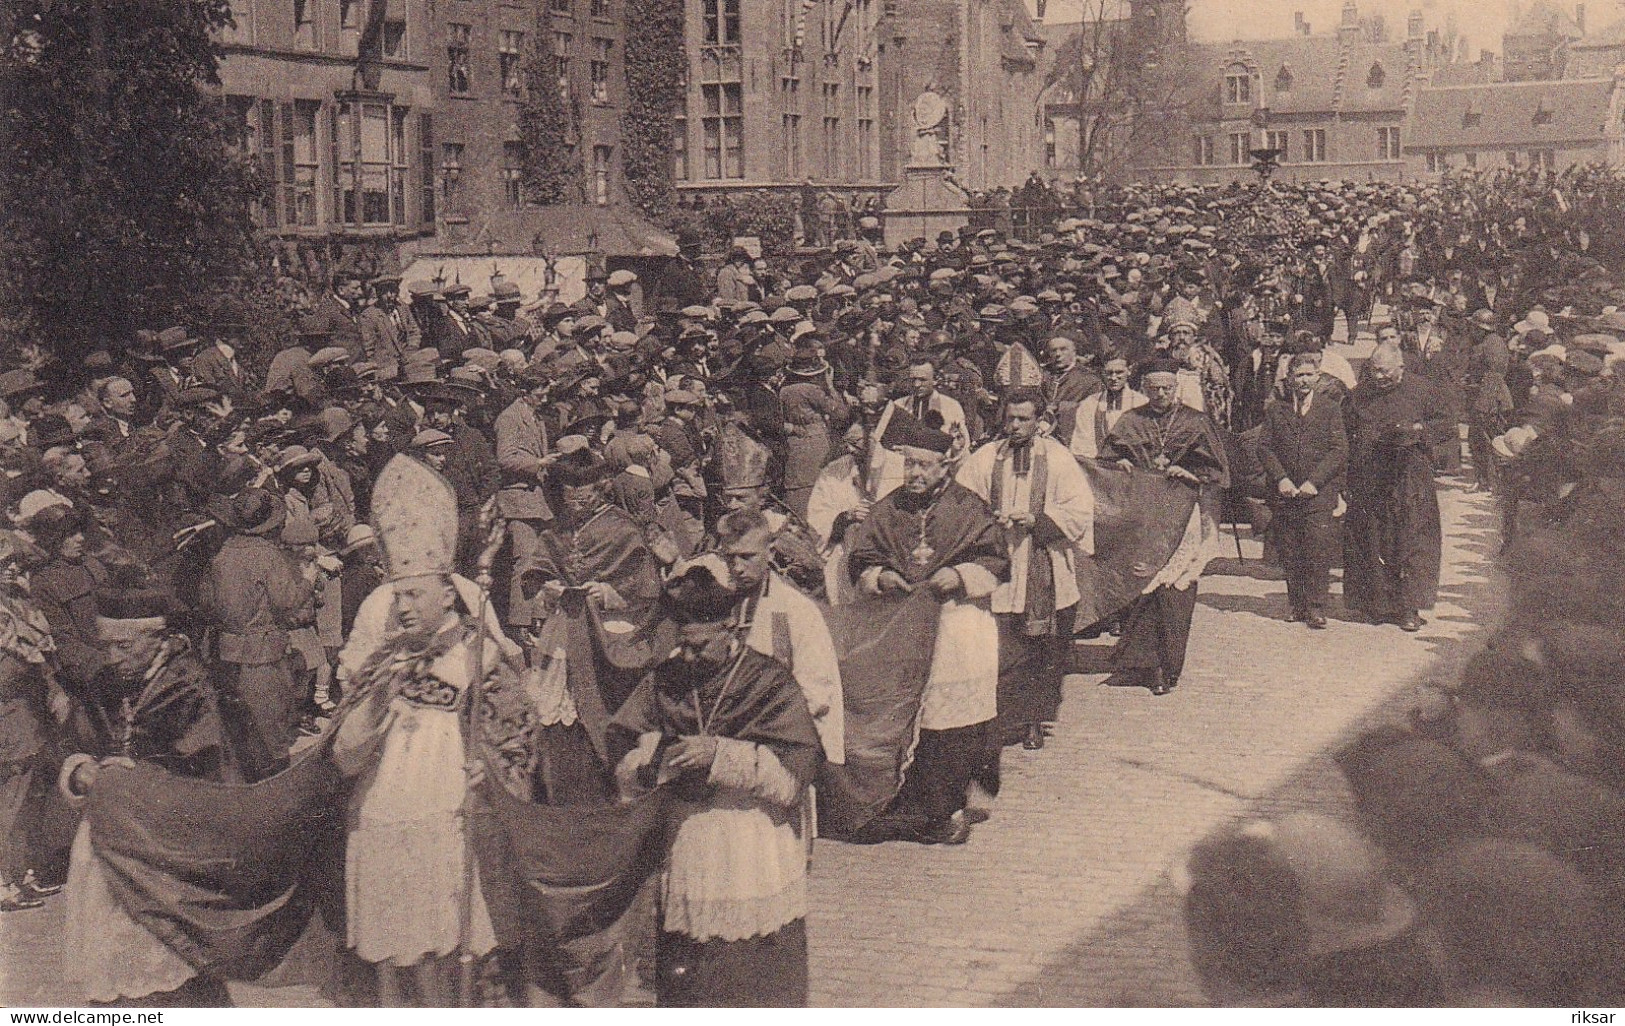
[[1375, 77], [1238, 84], [1283, 80]]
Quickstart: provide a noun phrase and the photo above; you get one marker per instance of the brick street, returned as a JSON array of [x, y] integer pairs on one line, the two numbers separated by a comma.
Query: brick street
[[1063, 897]]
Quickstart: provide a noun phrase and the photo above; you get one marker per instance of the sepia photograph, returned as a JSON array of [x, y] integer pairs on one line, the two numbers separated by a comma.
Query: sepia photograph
[[921, 504]]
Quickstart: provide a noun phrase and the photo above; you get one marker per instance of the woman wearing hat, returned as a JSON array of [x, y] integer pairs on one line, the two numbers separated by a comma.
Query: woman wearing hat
[[810, 405], [254, 596], [65, 589]]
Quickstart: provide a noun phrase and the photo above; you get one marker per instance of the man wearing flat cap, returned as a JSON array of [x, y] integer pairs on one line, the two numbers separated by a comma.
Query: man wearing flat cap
[[623, 306], [455, 331]]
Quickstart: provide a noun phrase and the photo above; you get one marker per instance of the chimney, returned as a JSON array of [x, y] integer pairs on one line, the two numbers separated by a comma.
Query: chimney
[[1580, 17], [1486, 57], [1348, 32], [1413, 25], [1297, 23]]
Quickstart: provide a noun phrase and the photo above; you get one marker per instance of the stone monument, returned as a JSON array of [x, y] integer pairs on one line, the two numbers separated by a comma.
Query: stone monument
[[926, 202]]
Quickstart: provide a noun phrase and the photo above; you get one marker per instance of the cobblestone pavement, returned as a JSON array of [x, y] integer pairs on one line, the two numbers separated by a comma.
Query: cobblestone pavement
[[1063, 897]]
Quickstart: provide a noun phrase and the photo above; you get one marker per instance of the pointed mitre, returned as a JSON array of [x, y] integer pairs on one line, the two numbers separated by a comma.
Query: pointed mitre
[[414, 511]]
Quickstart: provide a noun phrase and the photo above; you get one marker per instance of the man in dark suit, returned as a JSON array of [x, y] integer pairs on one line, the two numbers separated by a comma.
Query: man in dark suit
[[1312, 288], [1305, 451], [339, 311]]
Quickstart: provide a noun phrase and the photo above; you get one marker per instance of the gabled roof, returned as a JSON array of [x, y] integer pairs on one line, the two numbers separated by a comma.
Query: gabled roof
[[1313, 63], [1390, 95], [1506, 114]]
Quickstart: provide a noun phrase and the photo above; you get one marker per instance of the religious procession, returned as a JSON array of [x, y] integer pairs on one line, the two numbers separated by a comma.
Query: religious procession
[[488, 650]]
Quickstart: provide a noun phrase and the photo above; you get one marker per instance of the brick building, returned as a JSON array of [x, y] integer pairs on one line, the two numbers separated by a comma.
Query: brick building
[[340, 101], [1547, 124], [391, 127], [783, 91], [486, 45], [1333, 106]]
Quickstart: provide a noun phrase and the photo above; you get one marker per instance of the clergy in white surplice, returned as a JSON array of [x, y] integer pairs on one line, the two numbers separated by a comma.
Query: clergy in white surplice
[[1046, 510]]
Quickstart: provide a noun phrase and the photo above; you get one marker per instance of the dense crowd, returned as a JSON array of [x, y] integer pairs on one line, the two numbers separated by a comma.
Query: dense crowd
[[429, 495]]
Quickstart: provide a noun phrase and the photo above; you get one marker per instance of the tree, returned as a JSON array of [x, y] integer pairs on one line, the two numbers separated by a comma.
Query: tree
[[1124, 88], [655, 65], [127, 201]]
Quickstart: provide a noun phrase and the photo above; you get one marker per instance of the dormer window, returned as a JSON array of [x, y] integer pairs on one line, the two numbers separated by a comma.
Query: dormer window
[[1375, 77], [1238, 85], [1473, 115], [1283, 80], [1544, 112]]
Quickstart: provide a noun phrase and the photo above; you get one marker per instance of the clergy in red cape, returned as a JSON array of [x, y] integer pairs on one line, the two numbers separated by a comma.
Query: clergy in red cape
[[180, 878], [1045, 509], [1166, 438], [595, 579], [937, 537], [725, 732]]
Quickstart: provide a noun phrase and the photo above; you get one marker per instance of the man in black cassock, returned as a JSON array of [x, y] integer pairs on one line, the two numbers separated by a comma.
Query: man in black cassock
[[1166, 437], [1393, 544]]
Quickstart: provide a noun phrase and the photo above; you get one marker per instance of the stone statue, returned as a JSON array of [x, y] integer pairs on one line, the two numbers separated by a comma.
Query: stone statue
[[930, 115]]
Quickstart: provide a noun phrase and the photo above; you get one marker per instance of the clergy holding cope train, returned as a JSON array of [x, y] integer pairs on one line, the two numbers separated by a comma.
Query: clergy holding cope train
[[936, 536]]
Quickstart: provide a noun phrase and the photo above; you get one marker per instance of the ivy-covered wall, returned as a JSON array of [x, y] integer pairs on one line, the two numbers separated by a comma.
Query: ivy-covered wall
[[655, 61], [547, 121]]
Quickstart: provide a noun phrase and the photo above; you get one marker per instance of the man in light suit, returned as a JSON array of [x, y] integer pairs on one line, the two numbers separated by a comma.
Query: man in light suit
[[1097, 414], [1304, 450], [923, 398]]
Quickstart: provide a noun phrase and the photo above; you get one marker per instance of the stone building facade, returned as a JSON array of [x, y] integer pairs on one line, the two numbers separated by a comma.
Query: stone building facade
[[1332, 106], [782, 92], [982, 57], [340, 101]]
